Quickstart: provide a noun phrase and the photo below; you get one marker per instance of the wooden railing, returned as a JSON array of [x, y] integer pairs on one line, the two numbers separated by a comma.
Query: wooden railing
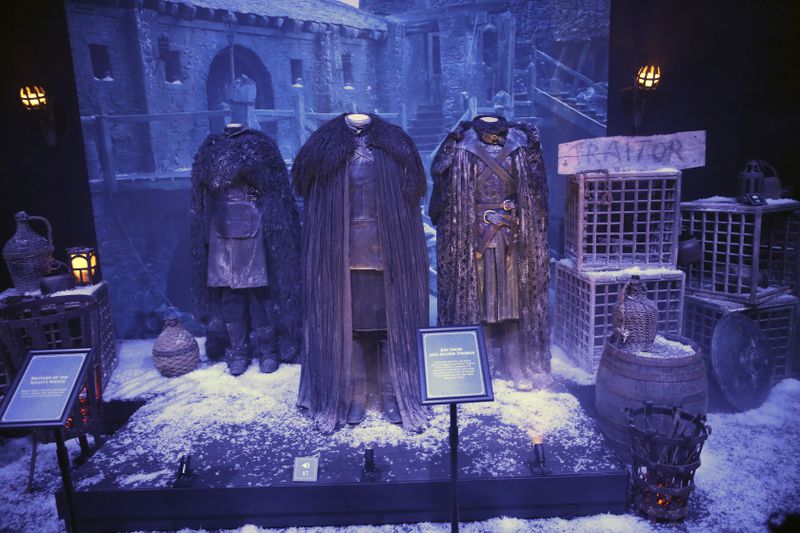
[[303, 124], [537, 77]]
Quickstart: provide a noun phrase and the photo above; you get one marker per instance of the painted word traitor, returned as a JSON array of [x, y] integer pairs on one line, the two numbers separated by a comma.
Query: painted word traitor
[[619, 154]]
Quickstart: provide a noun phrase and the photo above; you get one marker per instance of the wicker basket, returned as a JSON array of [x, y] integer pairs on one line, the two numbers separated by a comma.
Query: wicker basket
[[175, 351]]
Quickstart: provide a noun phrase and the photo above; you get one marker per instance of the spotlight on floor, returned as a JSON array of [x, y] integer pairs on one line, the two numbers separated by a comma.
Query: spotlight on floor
[[185, 475], [370, 472], [538, 464]]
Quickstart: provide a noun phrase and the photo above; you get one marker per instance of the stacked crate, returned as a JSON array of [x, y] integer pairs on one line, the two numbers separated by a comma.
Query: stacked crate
[[616, 225], [749, 265]]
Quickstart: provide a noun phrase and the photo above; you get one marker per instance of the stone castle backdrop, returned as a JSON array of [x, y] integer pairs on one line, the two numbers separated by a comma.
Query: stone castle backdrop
[[155, 76]]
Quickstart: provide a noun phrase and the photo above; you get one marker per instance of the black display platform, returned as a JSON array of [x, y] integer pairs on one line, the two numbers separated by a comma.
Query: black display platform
[[244, 469]]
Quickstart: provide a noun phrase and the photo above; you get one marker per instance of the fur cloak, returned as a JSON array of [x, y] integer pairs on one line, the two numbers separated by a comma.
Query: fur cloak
[[320, 174], [452, 211], [250, 157]]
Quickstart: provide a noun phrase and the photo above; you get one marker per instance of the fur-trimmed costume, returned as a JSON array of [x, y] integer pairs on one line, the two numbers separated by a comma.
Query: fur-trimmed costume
[[247, 161], [320, 175], [493, 260]]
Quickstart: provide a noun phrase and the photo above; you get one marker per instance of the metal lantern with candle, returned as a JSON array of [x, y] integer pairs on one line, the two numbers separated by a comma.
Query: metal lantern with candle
[[83, 265], [648, 77], [34, 98], [646, 81]]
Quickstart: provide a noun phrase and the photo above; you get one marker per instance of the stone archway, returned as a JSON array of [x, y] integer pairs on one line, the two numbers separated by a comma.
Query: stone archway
[[219, 79]]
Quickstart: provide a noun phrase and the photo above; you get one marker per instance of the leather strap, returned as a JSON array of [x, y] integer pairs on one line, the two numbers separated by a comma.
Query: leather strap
[[493, 164]]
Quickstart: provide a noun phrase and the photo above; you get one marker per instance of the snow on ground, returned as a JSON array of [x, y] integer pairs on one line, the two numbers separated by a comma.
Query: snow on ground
[[750, 465]]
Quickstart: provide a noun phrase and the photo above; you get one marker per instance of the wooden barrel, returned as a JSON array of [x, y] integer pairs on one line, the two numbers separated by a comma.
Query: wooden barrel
[[625, 379]]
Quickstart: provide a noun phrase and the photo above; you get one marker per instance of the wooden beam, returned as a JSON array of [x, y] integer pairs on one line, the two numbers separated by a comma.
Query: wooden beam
[[487, 6]]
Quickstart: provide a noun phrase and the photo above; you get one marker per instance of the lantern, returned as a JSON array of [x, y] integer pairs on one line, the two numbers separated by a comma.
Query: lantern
[[648, 77], [83, 265], [34, 98]]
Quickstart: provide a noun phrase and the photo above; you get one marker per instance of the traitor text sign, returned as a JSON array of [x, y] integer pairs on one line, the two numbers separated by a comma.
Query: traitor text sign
[[619, 154]]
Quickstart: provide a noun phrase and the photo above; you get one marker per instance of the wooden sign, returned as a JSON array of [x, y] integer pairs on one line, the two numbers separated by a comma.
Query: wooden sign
[[681, 150], [454, 367], [45, 388]]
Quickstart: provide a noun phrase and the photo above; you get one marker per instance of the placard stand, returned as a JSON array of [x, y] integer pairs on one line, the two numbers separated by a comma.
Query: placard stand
[[42, 395], [66, 478], [454, 368], [454, 467]]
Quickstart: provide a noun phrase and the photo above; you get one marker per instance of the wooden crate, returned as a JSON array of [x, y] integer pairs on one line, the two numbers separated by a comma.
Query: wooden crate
[[585, 302], [622, 220], [79, 318], [750, 253], [777, 317]]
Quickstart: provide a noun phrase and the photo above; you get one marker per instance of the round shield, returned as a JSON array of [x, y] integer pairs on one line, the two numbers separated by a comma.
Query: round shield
[[741, 361]]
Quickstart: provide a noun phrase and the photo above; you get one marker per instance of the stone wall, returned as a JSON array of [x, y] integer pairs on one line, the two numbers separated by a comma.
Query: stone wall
[[148, 267]]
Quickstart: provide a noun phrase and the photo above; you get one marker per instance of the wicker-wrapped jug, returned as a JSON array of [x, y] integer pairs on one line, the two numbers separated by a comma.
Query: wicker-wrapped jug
[[635, 317], [175, 351], [28, 254]]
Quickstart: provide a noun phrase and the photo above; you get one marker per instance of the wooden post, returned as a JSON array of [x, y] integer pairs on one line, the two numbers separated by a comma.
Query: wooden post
[[403, 116], [300, 119], [104, 152], [242, 99]]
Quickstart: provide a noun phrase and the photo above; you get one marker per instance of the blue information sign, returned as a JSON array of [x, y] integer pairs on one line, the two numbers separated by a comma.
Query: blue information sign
[[453, 365], [45, 388]]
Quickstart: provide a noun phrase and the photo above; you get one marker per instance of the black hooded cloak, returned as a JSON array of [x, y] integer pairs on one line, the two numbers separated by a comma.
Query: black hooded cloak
[[252, 158], [320, 175], [452, 211]]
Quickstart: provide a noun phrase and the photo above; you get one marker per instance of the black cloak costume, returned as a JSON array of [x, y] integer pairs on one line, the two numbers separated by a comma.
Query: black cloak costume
[[320, 176], [252, 159], [456, 170]]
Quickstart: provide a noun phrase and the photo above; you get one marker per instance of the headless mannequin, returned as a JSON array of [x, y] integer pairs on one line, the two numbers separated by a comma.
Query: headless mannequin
[[502, 337], [366, 273], [244, 304], [233, 129]]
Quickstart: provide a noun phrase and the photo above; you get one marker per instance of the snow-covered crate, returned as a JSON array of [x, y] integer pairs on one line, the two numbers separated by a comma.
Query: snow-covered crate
[[750, 253], [77, 318], [585, 302], [776, 317], [622, 220]]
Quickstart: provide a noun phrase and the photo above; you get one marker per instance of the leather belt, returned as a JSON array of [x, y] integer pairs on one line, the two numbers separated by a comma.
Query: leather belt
[[498, 217]]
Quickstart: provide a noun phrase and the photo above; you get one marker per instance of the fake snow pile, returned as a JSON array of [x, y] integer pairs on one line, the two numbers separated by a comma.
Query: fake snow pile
[[258, 410], [750, 465], [665, 348], [618, 275]]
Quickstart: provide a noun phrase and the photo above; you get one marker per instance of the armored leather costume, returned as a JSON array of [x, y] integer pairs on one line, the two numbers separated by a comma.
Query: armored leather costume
[[245, 249], [364, 268], [489, 206]]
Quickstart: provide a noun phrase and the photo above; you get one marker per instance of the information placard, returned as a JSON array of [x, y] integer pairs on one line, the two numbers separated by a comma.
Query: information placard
[[45, 388], [454, 367]]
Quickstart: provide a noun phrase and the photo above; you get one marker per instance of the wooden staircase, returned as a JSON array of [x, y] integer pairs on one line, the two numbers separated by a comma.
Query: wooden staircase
[[544, 83]]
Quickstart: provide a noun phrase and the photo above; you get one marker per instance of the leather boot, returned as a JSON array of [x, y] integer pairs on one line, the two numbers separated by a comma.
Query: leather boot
[[216, 339], [238, 353], [267, 358], [388, 399], [358, 399]]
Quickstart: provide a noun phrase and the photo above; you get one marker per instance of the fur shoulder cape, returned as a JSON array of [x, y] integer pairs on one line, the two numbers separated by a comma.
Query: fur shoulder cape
[[321, 175], [252, 158]]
